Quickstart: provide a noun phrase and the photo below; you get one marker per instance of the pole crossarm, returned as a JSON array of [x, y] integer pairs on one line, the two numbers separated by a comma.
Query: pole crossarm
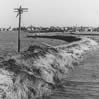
[[20, 10]]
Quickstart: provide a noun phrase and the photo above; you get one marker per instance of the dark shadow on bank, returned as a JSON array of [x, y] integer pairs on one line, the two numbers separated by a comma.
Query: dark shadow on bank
[[64, 38]]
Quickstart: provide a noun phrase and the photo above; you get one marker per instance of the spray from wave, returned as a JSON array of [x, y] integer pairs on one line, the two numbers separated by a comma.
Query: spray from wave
[[37, 71]]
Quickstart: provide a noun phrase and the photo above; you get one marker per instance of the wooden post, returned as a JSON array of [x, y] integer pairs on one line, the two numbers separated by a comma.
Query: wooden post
[[19, 10], [19, 31]]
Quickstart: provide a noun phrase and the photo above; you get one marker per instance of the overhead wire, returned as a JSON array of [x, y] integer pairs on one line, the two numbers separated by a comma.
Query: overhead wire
[[21, 3], [22, 20]]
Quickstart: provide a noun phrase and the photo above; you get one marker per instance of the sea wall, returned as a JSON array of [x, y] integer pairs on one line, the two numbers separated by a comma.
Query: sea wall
[[37, 71]]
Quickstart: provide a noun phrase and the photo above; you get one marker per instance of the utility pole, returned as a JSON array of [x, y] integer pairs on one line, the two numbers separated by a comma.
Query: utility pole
[[20, 11]]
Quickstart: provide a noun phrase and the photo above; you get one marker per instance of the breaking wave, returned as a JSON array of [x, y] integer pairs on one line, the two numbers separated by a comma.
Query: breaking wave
[[37, 71]]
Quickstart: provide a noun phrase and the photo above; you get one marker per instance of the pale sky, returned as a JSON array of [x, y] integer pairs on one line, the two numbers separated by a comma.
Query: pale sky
[[51, 12]]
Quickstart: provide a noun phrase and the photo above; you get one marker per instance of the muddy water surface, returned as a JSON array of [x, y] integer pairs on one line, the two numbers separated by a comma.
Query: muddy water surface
[[84, 80]]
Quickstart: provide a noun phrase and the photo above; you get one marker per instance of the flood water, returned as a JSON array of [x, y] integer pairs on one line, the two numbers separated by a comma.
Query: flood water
[[84, 81]]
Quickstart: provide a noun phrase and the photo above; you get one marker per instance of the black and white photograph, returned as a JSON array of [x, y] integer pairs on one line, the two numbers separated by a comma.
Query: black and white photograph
[[49, 49]]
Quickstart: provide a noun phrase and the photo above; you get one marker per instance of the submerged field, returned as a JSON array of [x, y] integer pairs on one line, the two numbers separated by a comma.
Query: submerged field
[[83, 81]]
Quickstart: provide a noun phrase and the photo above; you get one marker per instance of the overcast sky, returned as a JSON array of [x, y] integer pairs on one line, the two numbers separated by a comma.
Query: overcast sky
[[51, 12]]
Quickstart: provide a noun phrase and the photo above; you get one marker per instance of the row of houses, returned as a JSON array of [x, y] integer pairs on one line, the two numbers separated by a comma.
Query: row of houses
[[6, 29], [45, 29], [33, 29]]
